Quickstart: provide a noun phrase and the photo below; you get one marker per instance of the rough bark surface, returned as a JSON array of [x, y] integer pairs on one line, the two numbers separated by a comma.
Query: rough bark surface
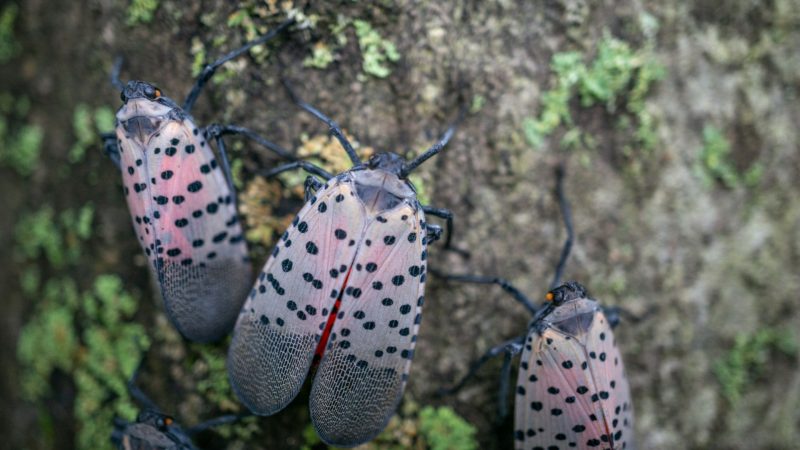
[[702, 264]]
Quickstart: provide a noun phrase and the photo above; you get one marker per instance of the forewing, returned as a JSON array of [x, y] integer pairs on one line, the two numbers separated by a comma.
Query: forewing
[[201, 262], [136, 187], [283, 319], [612, 383], [555, 402], [365, 366]]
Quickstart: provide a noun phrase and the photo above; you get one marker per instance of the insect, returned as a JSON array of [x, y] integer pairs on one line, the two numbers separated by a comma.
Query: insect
[[344, 287], [571, 391], [182, 204], [154, 430]]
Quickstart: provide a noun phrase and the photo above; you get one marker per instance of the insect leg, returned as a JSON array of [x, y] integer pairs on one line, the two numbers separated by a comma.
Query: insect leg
[[444, 214], [505, 374], [333, 126], [305, 165], [310, 186], [210, 69], [216, 130], [512, 346], [111, 148], [436, 148], [211, 423], [226, 167], [566, 214], [433, 232], [503, 283]]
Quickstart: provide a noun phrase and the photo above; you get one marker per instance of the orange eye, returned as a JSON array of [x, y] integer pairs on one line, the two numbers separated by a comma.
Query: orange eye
[[549, 297], [158, 93], [168, 421]]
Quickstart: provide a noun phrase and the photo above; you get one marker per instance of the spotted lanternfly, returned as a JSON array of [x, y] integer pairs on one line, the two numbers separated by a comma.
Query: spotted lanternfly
[[154, 430], [182, 206], [572, 391], [344, 287]]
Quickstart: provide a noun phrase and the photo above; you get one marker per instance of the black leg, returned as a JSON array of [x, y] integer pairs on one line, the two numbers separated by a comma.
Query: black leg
[[305, 165], [111, 148], [333, 126], [433, 233], [444, 214], [436, 148], [512, 346], [226, 166], [505, 376], [505, 284], [211, 423], [310, 186], [210, 69], [221, 130], [115, 70], [566, 214]]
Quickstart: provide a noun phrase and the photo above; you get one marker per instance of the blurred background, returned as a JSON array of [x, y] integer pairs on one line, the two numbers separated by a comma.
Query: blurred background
[[676, 120]]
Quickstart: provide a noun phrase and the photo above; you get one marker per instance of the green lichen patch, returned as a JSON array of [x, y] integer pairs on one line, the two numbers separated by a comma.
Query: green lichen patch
[[744, 364], [88, 335], [57, 238], [86, 124], [377, 52], [619, 78], [321, 56], [434, 428], [20, 141], [141, 11], [715, 164], [9, 47]]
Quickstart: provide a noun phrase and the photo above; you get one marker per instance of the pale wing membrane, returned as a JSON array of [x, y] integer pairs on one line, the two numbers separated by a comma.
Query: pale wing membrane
[[136, 187], [612, 383], [365, 366], [286, 313], [201, 260], [556, 401]]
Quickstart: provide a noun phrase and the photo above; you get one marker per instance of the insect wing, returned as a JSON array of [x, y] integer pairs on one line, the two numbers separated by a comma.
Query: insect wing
[[365, 366], [285, 315], [198, 249], [564, 397], [136, 187], [613, 388]]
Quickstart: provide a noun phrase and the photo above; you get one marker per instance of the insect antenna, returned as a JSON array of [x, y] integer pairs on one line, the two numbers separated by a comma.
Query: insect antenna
[[332, 125], [115, 70], [210, 69], [137, 393], [566, 214], [436, 148]]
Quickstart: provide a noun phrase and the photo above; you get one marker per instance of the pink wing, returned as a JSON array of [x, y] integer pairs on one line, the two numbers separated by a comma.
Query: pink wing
[[365, 366], [136, 186], [562, 399], [609, 374], [191, 230], [283, 320]]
